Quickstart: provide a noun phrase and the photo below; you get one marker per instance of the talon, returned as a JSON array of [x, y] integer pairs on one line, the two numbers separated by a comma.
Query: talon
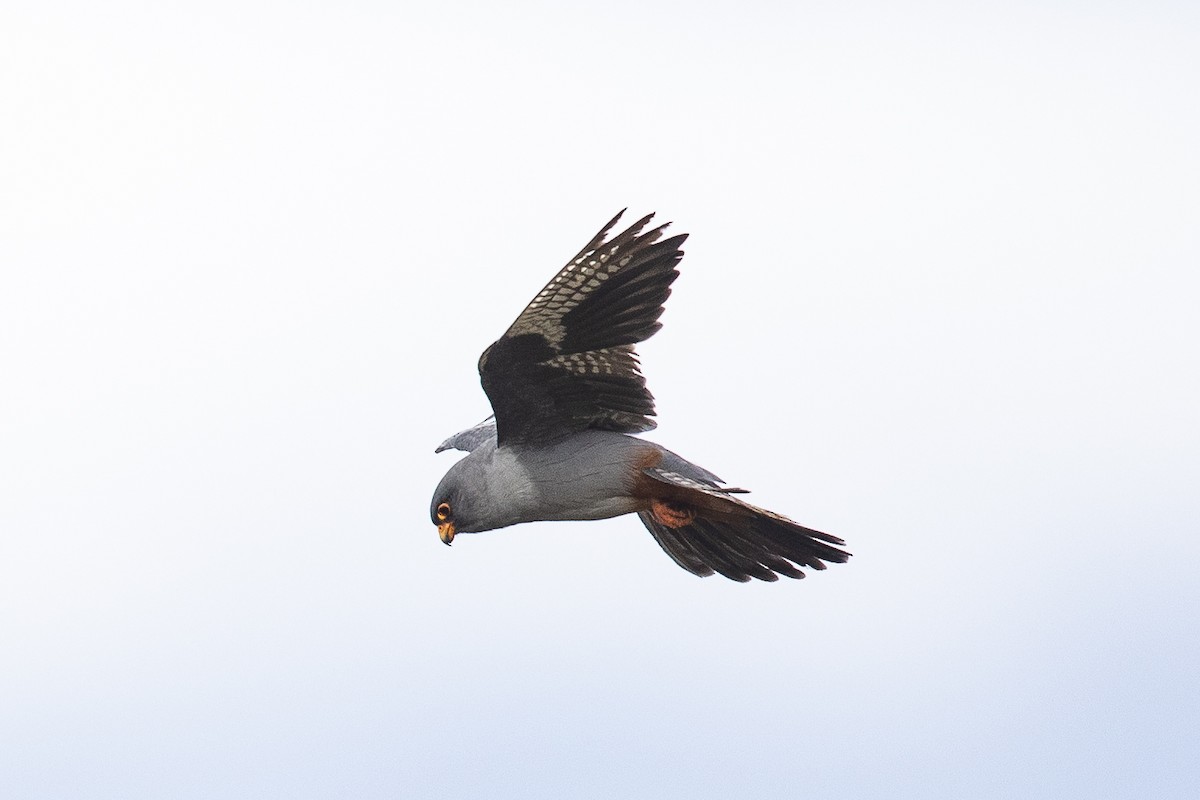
[[672, 515]]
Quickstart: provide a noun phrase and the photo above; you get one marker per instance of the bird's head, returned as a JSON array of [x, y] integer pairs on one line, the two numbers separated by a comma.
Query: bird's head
[[459, 500]]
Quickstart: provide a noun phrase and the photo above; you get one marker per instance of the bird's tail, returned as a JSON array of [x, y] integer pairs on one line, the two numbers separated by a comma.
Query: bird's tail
[[744, 542]]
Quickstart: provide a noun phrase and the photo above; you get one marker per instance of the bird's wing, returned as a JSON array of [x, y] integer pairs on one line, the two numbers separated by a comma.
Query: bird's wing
[[728, 535], [471, 438], [567, 363]]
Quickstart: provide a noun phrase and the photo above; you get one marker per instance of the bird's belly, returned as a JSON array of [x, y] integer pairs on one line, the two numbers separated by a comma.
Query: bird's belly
[[586, 477], [599, 508]]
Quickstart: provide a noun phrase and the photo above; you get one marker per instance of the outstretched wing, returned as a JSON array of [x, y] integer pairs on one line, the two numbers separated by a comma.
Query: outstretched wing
[[728, 535], [567, 363]]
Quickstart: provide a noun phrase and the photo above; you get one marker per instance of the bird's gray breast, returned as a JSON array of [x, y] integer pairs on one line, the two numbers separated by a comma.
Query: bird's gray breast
[[585, 476]]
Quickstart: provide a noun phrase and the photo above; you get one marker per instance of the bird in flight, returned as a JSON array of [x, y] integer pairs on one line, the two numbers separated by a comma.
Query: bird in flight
[[567, 391]]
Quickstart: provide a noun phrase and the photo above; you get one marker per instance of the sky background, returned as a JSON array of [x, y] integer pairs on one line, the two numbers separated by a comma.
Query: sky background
[[940, 299]]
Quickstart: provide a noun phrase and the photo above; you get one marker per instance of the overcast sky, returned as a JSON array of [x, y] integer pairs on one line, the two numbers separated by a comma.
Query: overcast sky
[[940, 298]]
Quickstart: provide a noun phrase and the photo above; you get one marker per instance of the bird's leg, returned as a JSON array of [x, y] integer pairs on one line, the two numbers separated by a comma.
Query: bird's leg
[[672, 514]]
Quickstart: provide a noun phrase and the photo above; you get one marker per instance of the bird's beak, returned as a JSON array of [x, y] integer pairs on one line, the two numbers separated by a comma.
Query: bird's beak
[[446, 532]]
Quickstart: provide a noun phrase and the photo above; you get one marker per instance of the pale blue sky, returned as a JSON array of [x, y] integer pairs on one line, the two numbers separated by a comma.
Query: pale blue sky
[[940, 299]]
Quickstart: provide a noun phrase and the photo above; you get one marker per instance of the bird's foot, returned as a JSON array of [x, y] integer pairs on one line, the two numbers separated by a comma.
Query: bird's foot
[[671, 514]]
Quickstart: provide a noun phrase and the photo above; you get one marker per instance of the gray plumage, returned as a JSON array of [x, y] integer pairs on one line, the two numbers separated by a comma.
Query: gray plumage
[[471, 438], [585, 476], [567, 390]]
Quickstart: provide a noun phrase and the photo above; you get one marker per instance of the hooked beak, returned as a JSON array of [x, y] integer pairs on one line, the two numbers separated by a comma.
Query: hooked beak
[[446, 532]]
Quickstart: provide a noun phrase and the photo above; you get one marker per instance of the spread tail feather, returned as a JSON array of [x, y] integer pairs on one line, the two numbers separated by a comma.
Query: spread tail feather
[[742, 545]]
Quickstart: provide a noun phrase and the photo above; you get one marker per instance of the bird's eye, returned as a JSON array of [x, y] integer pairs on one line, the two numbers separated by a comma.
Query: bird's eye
[[443, 512]]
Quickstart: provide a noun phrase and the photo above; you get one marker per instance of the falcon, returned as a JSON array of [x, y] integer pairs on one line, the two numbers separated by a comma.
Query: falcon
[[567, 392]]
